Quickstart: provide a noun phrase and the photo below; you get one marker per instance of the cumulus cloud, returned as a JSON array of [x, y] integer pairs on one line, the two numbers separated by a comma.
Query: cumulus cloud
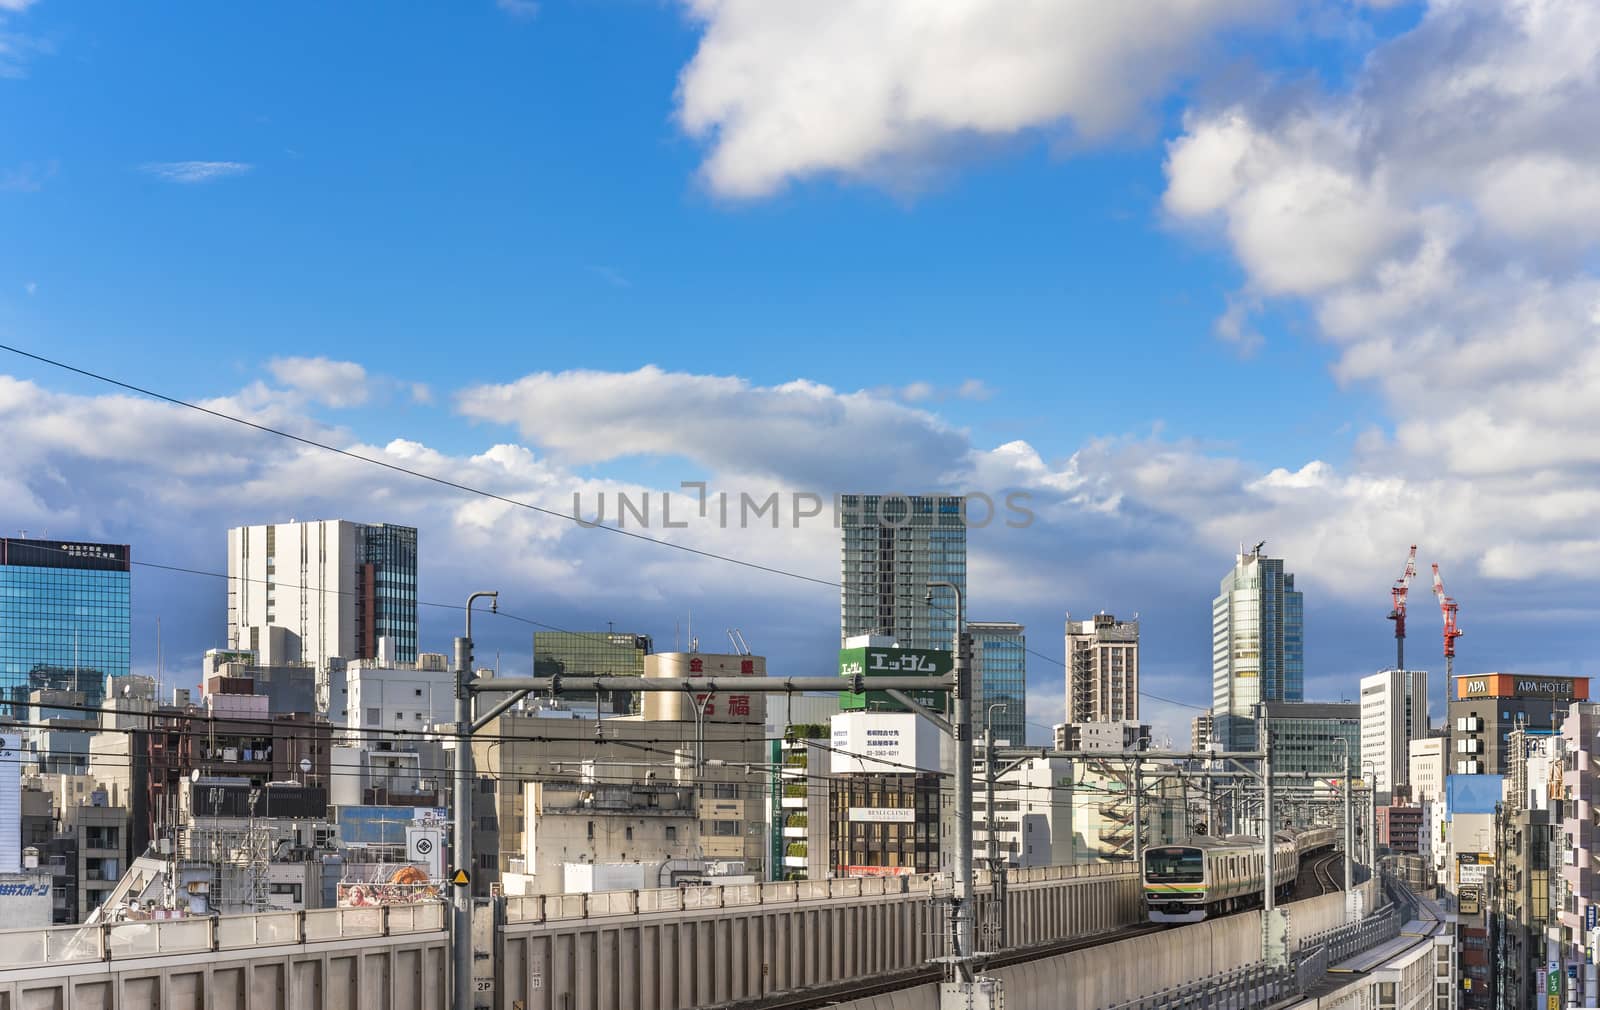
[[1439, 218], [782, 91], [332, 383], [194, 171], [726, 423]]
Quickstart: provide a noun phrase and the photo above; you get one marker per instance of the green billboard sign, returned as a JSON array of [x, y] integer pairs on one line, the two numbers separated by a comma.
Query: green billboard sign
[[870, 662]]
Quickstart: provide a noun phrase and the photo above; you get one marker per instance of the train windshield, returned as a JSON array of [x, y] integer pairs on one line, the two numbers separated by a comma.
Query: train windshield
[[1180, 866]]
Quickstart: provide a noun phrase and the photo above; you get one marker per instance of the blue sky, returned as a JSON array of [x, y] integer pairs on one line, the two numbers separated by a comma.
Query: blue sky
[[1200, 268]]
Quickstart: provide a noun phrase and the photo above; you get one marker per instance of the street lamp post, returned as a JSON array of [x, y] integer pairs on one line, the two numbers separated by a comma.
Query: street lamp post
[[962, 724], [461, 798]]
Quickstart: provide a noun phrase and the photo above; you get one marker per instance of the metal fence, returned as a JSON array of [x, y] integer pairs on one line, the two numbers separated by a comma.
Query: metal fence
[[110, 941]]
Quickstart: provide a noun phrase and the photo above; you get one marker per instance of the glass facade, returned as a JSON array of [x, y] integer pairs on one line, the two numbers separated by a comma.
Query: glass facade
[[592, 654], [1305, 736], [892, 547], [1000, 673], [389, 569], [64, 616], [1257, 646]]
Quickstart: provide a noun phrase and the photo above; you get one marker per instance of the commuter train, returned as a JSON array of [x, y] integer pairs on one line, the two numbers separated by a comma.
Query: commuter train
[[1209, 877]]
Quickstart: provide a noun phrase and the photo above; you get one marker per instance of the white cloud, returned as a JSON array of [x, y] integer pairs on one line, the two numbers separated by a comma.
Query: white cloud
[[16, 6], [421, 393], [974, 389], [518, 8], [333, 383], [883, 89], [725, 423], [195, 171]]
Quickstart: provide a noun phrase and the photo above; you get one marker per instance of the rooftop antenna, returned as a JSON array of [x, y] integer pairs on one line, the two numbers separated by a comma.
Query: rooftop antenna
[[1257, 549]]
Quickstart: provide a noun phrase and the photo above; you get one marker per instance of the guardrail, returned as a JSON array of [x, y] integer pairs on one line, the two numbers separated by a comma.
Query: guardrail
[[1252, 985], [113, 941], [690, 897]]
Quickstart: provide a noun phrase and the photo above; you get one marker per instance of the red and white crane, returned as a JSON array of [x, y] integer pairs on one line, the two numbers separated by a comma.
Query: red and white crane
[[1447, 610], [1397, 595]]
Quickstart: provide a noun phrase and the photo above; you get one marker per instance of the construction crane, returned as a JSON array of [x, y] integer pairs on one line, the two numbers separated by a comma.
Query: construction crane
[[1397, 595], [1447, 610]]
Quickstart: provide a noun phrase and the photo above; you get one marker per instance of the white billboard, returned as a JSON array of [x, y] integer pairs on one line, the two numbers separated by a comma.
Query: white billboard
[[425, 845], [11, 802], [883, 815], [892, 743]]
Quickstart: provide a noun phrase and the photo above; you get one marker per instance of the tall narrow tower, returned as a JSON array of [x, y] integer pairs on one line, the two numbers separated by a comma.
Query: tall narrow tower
[[1257, 645], [1102, 669], [892, 546]]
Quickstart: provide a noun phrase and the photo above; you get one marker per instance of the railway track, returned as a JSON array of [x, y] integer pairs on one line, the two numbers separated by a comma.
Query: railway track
[[823, 996], [1323, 869]]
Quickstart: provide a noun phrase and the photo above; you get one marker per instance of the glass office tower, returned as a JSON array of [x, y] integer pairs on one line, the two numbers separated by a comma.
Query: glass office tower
[[892, 547], [1257, 646], [1000, 677], [592, 654], [64, 616]]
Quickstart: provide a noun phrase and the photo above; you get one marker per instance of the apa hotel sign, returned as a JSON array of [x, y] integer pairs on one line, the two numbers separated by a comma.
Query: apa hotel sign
[[1516, 685]]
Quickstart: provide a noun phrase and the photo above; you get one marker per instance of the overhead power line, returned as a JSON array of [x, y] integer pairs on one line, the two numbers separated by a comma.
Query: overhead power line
[[480, 492]]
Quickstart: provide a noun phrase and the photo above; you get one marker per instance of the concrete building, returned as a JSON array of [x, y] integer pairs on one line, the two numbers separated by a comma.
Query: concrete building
[[892, 546], [64, 616], [1426, 767], [592, 654], [1033, 815], [56, 729], [1578, 836], [1112, 737], [1257, 646], [1485, 708], [1401, 827], [1000, 677], [1102, 669], [321, 593], [1527, 861], [377, 699], [1394, 712], [1470, 802], [1200, 732], [518, 748], [291, 688]]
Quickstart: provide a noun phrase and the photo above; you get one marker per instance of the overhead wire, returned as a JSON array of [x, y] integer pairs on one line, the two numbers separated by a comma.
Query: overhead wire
[[470, 489]]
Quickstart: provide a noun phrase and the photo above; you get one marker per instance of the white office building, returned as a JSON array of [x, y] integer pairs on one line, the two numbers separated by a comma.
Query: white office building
[[395, 697], [1102, 669], [322, 593], [1394, 712], [891, 547]]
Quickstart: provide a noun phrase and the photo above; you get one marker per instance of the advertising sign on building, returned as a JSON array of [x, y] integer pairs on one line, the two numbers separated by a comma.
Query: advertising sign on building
[[724, 705], [883, 815], [893, 743], [1508, 685], [876, 871], [425, 845], [885, 662], [10, 802]]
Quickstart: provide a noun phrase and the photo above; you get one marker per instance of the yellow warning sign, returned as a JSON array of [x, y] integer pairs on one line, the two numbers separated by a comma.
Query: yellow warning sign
[[460, 878]]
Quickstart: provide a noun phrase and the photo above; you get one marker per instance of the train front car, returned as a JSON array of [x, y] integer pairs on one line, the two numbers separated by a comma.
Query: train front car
[[1175, 883]]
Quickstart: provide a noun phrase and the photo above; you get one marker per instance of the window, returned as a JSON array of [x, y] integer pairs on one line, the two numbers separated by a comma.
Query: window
[[627, 834], [672, 833], [419, 692], [591, 831]]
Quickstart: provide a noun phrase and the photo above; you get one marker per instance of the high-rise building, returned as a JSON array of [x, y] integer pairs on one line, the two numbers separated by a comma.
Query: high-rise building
[[592, 654], [1000, 677], [1200, 732], [1257, 646], [1102, 670], [892, 547], [319, 592], [1305, 736], [1486, 707], [64, 617], [1394, 712]]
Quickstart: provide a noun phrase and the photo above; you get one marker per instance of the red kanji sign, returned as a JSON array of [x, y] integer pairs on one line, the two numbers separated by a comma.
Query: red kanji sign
[[697, 665], [738, 704], [747, 666]]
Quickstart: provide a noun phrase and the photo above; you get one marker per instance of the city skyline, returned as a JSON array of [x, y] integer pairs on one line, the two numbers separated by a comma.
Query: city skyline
[[1213, 311]]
